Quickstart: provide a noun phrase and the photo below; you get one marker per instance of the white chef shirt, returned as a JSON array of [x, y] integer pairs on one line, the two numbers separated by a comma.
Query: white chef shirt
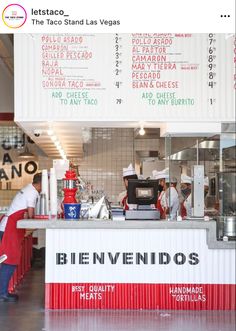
[[121, 197], [172, 201], [162, 198], [188, 205], [26, 197]]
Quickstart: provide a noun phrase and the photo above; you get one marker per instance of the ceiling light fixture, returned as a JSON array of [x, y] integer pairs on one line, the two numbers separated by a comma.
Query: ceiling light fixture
[[54, 138], [57, 144], [50, 132], [142, 131], [26, 154]]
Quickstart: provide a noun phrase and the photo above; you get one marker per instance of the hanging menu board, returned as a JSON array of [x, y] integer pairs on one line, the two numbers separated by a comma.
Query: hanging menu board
[[125, 77]]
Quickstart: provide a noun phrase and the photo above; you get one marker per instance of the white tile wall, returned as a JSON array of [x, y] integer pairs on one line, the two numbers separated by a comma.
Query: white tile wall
[[104, 158]]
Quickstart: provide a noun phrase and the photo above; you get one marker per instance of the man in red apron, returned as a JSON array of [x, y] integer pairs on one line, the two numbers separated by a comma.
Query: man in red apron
[[12, 238]]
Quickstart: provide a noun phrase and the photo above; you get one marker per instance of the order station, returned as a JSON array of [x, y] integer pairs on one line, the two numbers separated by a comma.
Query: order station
[[117, 169]]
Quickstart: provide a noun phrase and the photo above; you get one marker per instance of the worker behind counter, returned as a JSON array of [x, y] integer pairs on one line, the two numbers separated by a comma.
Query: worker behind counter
[[170, 199], [168, 195], [161, 176], [128, 173], [186, 197], [22, 206]]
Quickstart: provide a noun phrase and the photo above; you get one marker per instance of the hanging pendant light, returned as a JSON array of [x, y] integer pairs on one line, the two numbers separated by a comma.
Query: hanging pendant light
[[26, 154]]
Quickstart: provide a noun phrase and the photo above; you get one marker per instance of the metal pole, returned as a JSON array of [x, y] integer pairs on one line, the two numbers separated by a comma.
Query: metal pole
[[197, 152]]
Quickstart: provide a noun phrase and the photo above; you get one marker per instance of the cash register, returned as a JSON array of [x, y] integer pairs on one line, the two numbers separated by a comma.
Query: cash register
[[142, 194]]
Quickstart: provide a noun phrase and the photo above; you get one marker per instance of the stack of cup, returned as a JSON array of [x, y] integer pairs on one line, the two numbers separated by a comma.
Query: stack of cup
[[53, 192]]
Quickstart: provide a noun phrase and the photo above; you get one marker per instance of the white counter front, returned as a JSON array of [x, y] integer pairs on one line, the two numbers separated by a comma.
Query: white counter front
[[136, 265]]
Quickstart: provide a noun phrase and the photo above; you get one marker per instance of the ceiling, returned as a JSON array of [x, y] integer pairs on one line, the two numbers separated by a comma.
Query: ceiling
[[68, 134], [71, 135]]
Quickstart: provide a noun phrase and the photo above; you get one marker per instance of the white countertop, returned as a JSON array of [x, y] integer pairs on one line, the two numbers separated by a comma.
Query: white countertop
[[108, 224], [210, 226]]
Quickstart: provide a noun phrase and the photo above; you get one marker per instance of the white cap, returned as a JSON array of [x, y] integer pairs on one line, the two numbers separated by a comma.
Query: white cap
[[129, 171], [172, 180], [162, 175], [206, 181], [186, 179]]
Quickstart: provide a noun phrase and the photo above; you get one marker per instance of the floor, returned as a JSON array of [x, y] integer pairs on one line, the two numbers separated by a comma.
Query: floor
[[28, 315]]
